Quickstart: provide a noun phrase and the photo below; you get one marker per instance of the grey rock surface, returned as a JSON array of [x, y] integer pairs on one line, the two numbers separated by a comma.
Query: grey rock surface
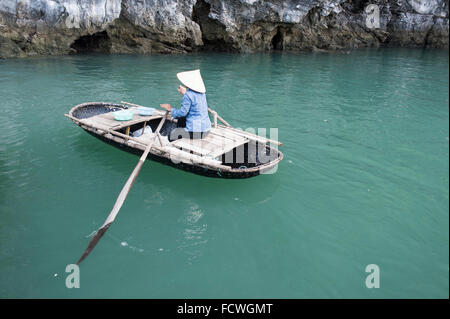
[[42, 27]]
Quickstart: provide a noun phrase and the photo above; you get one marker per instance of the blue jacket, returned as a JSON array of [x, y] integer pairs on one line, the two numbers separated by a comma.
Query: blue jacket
[[195, 108]]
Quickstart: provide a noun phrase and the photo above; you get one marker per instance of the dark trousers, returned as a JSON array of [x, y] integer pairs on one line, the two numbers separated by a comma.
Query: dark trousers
[[180, 132]]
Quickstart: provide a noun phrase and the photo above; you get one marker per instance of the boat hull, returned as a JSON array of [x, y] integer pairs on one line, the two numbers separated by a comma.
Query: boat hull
[[182, 166], [82, 113]]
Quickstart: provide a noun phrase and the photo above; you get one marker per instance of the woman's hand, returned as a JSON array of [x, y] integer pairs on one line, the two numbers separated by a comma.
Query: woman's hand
[[167, 107], [181, 90]]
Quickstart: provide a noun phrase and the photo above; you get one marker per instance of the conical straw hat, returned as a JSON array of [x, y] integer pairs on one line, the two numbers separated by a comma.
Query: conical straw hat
[[193, 80]]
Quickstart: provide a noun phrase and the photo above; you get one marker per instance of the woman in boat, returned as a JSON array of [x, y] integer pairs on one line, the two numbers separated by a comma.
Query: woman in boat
[[193, 120]]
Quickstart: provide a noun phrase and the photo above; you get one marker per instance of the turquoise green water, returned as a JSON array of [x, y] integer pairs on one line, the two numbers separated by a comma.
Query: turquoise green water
[[364, 180]]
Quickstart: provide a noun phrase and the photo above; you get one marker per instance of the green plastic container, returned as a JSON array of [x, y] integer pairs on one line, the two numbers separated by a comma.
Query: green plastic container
[[124, 115]]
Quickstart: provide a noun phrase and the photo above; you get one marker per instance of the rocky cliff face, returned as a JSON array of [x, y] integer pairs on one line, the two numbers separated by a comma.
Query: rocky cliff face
[[41, 27]]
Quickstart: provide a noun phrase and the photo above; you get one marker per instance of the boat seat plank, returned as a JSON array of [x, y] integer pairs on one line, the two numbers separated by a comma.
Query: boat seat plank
[[227, 148], [211, 146], [101, 120], [222, 143], [96, 124], [197, 146], [209, 142], [227, 134], [220, 139], [108, 120], [249, 135]]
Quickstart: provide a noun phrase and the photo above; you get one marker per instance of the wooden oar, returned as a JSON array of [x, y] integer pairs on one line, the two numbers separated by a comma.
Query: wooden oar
[[121, 198]]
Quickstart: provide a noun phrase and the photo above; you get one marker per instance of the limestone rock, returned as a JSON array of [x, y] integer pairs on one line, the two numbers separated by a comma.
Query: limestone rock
[[41, 27]]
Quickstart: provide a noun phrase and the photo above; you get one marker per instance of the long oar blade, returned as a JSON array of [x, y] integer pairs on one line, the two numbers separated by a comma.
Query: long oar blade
[[119, 202], [98, 235], [121, 198]]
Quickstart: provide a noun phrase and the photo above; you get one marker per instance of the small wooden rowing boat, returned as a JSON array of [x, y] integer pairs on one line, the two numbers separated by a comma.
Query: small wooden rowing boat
[[226, 152]]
